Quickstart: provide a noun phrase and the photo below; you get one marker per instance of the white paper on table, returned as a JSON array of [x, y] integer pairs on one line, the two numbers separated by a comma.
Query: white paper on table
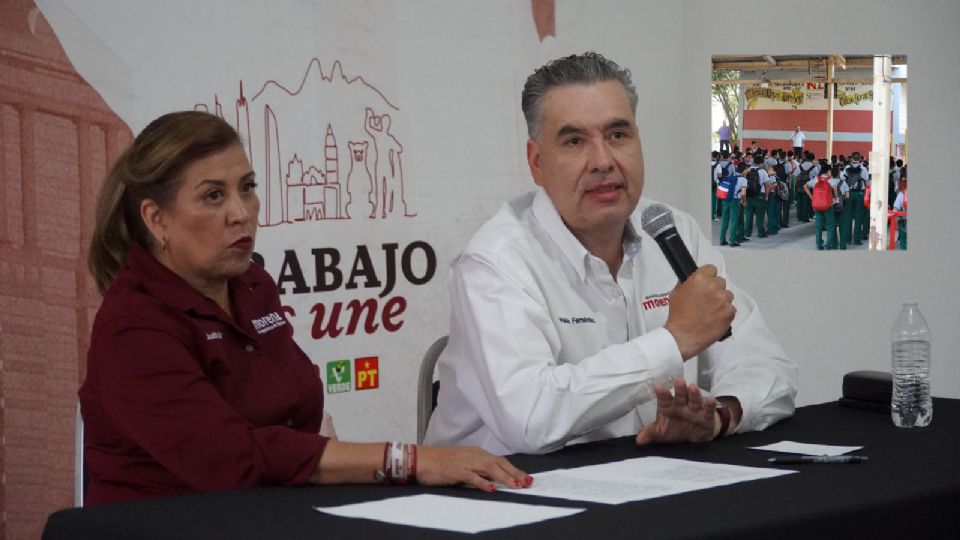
[[791, 447], [449, 513], [641, 478]]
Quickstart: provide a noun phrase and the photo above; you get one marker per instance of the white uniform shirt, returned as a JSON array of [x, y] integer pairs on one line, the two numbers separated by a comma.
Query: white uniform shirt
[[741, 185], [898, 203], [844, 189], [547, 348], [797, 138]]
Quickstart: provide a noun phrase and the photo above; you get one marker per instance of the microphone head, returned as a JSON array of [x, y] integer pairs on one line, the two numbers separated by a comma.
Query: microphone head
[[656, 218]]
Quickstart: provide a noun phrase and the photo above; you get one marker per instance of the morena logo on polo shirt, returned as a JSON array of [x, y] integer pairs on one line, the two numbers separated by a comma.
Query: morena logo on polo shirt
[[268, 322]]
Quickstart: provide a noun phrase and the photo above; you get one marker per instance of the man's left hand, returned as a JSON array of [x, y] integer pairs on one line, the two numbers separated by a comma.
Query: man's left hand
[[684, 416]]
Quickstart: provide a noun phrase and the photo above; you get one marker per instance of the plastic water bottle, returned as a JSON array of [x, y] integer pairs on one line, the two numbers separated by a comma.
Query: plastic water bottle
[[911, 405]]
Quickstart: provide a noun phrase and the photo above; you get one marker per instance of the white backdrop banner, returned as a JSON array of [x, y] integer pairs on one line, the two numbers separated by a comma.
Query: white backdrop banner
[[372, 172]]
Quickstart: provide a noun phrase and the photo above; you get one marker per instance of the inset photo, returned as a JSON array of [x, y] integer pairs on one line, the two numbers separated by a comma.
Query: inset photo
[[809, 152]]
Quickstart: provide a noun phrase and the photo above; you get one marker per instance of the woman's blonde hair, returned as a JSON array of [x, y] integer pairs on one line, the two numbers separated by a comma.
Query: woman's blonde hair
[[149, 169]]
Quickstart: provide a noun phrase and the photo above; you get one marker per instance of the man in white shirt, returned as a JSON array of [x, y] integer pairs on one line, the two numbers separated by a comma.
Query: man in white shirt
[[567, 322], [797, 141]]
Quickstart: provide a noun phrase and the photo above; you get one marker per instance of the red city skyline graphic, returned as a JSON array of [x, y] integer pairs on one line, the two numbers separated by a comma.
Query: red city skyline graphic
[[301, 176]]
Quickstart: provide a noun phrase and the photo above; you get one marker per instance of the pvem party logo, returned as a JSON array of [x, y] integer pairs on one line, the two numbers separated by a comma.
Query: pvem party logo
[[338, 377]]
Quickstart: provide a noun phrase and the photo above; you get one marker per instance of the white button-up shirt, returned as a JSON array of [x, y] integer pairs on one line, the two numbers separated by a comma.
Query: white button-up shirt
[[547, 348], [797, 138]]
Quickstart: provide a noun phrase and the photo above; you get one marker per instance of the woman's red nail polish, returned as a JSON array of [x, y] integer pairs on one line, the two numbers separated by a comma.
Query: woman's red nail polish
[[528, 481], [516, 483], [491, 488]]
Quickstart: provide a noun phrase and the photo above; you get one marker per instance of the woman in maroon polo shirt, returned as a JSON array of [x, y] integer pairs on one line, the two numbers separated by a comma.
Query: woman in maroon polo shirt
[[194, 382]]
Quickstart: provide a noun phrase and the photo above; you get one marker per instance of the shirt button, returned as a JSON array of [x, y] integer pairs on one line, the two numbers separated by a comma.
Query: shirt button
[[290, 422], [249, 348]]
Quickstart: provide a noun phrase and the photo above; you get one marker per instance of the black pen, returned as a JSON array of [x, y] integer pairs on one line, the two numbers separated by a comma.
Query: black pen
[[817, 459]]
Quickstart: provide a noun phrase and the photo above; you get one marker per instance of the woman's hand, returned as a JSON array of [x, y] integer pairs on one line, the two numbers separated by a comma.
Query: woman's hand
[[437, 466]]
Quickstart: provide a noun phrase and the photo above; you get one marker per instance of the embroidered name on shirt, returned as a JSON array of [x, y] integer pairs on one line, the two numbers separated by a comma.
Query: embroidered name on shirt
[[659, 302], [214, 335], [576, 320], [268, 322]]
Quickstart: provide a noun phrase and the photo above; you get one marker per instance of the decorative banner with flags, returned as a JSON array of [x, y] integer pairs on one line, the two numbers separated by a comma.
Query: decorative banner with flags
[[809, 96], [772, 113]]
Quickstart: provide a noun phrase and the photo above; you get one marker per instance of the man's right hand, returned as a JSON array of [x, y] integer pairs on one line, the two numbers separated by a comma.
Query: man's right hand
[[701, 310]]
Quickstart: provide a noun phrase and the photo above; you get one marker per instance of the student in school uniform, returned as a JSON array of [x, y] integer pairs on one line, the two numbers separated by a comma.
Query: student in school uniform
[[845, 215], [825, 219], [731, 209]]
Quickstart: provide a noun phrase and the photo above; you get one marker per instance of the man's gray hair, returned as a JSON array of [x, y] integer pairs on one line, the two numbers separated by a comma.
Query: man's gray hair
[[586, 68]]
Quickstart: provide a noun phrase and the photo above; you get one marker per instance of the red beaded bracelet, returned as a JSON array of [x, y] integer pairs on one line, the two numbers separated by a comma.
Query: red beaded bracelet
[[399, 464]]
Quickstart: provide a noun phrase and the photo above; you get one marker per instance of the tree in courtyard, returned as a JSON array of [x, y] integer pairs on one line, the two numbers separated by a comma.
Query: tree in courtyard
[[726, 95]]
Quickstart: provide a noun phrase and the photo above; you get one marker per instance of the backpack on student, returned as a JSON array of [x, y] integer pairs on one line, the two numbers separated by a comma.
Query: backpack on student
[[726, 187], [838, 202], [725, 170], [784, 190], [822, 194], [753, 183], [855, 177], [780, 170], [805, 174]]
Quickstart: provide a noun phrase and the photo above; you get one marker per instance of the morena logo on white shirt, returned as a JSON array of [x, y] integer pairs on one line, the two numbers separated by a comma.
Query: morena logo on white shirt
[[654, 302]]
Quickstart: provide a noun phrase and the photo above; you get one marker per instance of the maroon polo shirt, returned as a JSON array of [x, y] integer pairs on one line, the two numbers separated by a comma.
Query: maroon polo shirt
[[180, 397]]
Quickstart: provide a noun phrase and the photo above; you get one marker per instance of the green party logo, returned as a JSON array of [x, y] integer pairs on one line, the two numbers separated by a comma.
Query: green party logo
[[338, 377]]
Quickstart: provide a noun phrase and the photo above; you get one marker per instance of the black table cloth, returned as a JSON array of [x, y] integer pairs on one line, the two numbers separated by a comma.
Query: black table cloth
[[909, 488]]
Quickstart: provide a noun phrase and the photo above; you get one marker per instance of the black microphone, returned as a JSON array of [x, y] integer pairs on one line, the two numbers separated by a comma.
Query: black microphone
[[657, 221]]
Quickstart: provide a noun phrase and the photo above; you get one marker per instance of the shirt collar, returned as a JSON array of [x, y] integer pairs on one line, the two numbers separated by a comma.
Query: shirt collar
[[165, 285], [546, 214]]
